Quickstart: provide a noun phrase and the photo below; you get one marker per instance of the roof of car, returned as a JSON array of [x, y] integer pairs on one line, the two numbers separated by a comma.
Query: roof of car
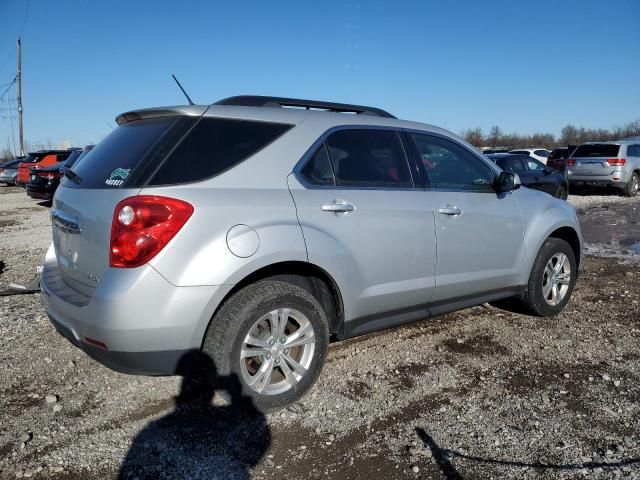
[[320, 118]]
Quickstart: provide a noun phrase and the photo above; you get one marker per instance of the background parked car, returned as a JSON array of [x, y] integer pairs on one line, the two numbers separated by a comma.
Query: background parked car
[[540, 154], [533, 174], [42, 158], [558, 158], [43, 182], [9, 171], [607, 164]]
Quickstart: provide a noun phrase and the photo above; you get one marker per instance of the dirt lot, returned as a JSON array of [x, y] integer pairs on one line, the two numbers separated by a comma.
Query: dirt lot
[[482, 393]]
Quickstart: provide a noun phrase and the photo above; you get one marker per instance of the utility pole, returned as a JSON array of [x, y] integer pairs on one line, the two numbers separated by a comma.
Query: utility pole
[[20, 97]]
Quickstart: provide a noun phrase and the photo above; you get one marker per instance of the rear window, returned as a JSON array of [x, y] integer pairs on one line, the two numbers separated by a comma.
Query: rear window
[[213, 146], [597, 150], [520, 152], [111, 162], [558, 153]]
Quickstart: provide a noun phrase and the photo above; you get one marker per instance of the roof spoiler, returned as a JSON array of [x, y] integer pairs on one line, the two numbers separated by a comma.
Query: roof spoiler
[[146, 113], [263, 101]]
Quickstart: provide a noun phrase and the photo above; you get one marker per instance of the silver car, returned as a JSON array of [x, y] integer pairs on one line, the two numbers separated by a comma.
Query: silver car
[[255, 229], [9, 172], [607, 164]]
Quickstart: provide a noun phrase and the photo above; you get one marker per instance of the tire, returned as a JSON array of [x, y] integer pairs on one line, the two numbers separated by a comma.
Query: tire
[[633, 185], [536, 298], [561, 193], [250, 311]]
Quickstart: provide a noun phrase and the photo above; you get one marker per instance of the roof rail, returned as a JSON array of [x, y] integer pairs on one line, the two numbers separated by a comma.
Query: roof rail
[[263, 101]]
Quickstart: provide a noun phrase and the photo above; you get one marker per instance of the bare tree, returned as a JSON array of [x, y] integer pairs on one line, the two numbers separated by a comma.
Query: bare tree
[[495, 136]]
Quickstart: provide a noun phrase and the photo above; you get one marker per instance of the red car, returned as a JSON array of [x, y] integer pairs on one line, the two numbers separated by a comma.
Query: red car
[[42, 158]]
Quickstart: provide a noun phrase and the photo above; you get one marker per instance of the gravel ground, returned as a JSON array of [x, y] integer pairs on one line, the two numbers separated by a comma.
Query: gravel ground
[[482, 393]]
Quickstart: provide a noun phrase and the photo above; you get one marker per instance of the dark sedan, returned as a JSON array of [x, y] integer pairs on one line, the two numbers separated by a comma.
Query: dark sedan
[[533, 173], [44, 181]]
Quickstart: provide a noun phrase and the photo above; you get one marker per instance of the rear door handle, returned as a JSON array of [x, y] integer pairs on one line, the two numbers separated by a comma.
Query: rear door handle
[[338, 206], [455, 211]]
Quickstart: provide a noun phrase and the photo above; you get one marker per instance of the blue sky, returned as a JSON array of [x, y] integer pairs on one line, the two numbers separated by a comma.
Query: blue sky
[[525, 66]]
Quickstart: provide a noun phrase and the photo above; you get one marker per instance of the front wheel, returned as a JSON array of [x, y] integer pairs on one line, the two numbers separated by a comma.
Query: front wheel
[[273, 337], [561, 193], [552, 279]]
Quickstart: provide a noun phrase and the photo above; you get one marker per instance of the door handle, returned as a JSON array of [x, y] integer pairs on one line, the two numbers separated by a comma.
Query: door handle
[[338, 206], [454, 211]]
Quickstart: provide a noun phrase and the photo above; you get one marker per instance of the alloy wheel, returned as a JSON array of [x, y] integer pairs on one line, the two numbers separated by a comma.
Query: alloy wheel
[[277, 352], [556, 279]]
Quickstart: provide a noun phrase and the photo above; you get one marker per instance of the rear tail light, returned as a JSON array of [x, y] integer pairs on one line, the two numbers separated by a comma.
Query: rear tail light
[[49, 175], [616, 161], [571, 162], [142, 226]]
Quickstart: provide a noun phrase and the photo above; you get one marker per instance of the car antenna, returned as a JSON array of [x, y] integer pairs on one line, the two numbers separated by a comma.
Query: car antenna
[[185, 93]]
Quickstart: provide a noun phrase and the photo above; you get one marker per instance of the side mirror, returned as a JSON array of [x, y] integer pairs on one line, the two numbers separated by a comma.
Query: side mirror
[[507, 182]]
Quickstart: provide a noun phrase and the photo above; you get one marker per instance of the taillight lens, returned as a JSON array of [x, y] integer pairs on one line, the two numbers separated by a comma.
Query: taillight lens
[[614, 162], [571, 162], [48, 175], [142, 226]]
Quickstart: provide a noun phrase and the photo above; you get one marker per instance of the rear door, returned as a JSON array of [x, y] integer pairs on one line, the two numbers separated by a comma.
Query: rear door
[[479, 232], [365, 223], [591, 159]]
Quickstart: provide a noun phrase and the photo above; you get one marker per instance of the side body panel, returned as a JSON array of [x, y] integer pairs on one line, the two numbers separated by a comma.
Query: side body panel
[[481, 249]]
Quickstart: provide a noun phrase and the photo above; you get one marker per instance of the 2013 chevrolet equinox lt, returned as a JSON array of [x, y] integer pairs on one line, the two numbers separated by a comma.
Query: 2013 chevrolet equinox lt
[[253, 232]]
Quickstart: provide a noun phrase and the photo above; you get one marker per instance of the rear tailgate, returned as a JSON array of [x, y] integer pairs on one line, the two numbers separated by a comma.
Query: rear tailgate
[[592, 159], [84, 204], [81, 229]]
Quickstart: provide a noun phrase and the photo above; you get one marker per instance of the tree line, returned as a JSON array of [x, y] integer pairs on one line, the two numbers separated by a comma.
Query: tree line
[[569, 135]]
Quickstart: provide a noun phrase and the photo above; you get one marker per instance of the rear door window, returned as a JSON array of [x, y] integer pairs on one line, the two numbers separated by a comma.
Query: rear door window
[[213, 146], [542, 153], [369, 158], [597, 150]]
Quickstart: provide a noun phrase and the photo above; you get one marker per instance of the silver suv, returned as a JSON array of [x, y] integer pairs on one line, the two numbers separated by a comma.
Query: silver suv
[[604, 164], [255, 229]]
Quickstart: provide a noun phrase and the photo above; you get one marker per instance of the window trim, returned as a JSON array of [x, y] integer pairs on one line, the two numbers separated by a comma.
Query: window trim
[[322, 140]]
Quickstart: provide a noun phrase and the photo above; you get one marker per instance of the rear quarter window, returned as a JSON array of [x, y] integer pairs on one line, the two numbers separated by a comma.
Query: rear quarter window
[[213, 146], [111, 161]]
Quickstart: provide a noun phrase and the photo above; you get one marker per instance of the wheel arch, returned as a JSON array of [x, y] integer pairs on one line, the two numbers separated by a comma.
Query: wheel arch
[[569, 235], [317, 281]]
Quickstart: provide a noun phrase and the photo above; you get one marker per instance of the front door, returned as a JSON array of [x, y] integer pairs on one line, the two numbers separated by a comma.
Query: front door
[[479, 232]]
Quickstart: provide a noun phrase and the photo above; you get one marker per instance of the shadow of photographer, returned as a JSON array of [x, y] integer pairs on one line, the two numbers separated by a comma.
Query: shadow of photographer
[[199, 439]]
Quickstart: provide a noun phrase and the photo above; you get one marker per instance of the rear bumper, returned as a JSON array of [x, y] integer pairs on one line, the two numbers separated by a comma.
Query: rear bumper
[[138, 363], [40, 192], [617, 179], [146, 323]]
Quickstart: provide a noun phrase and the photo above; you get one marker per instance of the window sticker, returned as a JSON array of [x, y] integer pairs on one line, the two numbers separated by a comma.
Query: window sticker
[[117, 177]]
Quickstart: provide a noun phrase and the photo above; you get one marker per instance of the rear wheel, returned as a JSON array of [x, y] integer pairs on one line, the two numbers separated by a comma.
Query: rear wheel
[[552, 279], [633, 185], [273, 337]]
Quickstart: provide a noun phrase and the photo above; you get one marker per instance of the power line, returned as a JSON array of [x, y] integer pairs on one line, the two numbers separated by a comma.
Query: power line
[[13, 138], [8, 87]]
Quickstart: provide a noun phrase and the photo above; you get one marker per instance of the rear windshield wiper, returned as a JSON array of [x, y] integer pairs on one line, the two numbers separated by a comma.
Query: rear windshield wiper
[[71, 175]]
